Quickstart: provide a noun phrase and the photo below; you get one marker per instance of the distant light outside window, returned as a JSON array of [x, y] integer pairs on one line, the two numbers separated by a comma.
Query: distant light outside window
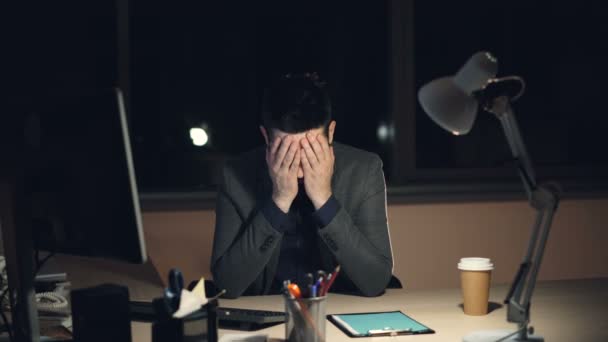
[[199, 136]]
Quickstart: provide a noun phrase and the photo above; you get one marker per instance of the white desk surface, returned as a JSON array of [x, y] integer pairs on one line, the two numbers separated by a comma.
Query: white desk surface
[[567, 310], [571, 310]]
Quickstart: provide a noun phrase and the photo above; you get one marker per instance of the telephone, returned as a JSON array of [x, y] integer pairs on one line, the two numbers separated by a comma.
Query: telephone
[[48, 301], [53, 306]]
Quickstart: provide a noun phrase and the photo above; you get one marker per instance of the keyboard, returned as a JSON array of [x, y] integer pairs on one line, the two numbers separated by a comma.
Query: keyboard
[[250, 316], [229, 318]]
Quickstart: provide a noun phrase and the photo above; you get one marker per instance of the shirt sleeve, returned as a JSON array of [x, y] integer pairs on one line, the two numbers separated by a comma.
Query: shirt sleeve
[[274, 215], [327, 212]]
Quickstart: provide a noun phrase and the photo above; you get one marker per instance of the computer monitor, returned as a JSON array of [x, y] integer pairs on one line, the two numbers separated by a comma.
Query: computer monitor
[[74, 191], [81, 178]]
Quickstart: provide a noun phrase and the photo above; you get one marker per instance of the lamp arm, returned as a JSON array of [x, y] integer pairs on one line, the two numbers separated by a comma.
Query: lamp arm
[[544, 199], [523, 285], [501, 108], [544, 225]]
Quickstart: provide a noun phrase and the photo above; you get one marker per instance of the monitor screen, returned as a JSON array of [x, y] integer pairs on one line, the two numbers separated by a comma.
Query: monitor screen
[[80, 177]]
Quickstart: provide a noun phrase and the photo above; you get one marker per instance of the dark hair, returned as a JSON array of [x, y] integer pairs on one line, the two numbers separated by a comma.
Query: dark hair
[[296, 103]]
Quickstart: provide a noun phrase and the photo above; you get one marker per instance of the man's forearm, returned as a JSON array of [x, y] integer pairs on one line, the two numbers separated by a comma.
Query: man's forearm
[[368, 265], [241, 253]]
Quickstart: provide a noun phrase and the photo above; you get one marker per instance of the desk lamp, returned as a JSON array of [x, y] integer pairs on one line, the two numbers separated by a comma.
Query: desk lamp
[[452, 102]]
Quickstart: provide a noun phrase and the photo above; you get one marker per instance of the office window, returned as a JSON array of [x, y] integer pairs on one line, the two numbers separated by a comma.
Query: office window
[[556, 47], [203, 66], [197, 72]]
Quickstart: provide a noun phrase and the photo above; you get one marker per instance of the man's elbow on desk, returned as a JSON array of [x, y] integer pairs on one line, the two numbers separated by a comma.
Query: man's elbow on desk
[[377, 290], [376, 283], [233, 290]]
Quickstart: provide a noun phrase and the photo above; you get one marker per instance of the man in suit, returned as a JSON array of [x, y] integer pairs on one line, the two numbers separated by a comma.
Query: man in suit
[[302, 203]]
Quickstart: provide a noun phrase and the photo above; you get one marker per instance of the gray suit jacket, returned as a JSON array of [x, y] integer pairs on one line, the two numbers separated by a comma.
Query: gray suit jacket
[[246, 247]]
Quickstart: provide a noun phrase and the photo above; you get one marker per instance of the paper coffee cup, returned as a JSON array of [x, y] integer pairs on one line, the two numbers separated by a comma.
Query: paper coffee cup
[[475, 276]]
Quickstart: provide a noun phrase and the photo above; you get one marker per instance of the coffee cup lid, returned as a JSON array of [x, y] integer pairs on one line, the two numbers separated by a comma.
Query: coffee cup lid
[[475, 264]]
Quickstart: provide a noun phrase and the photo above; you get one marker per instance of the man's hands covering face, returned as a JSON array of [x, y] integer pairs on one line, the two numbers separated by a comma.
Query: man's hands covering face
[[318, 164], [283, 158]]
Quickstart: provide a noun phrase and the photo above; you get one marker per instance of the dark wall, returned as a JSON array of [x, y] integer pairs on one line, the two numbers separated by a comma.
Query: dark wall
[[62, 46], [51, 49]]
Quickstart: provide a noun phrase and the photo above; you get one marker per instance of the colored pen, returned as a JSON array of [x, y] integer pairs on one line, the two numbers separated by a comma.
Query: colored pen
[[294, 290], [313, 291], [326, 284], [309, 284], [321, 287], [321, 276], [333, 279]]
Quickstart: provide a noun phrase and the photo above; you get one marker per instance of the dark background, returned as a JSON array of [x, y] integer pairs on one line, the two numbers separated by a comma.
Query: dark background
[[204, 64], [207, 64], [558, 48]]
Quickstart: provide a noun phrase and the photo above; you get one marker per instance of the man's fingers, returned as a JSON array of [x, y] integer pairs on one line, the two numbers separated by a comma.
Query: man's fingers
[[305, 163], [296, 161], [322, 140], [291, 154], [271, 150], [316, 146], [274, 145], [280, 155], [310, 154]]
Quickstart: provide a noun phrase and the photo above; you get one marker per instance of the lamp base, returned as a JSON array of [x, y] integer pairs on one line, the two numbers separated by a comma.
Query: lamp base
[[496, 335]]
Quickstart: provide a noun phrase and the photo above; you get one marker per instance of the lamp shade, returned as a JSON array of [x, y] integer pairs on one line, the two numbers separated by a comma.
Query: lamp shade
[[450, 101]]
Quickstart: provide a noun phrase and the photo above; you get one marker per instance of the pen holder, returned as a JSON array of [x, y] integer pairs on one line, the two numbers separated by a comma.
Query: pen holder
[[199, 326], [305, 319]]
